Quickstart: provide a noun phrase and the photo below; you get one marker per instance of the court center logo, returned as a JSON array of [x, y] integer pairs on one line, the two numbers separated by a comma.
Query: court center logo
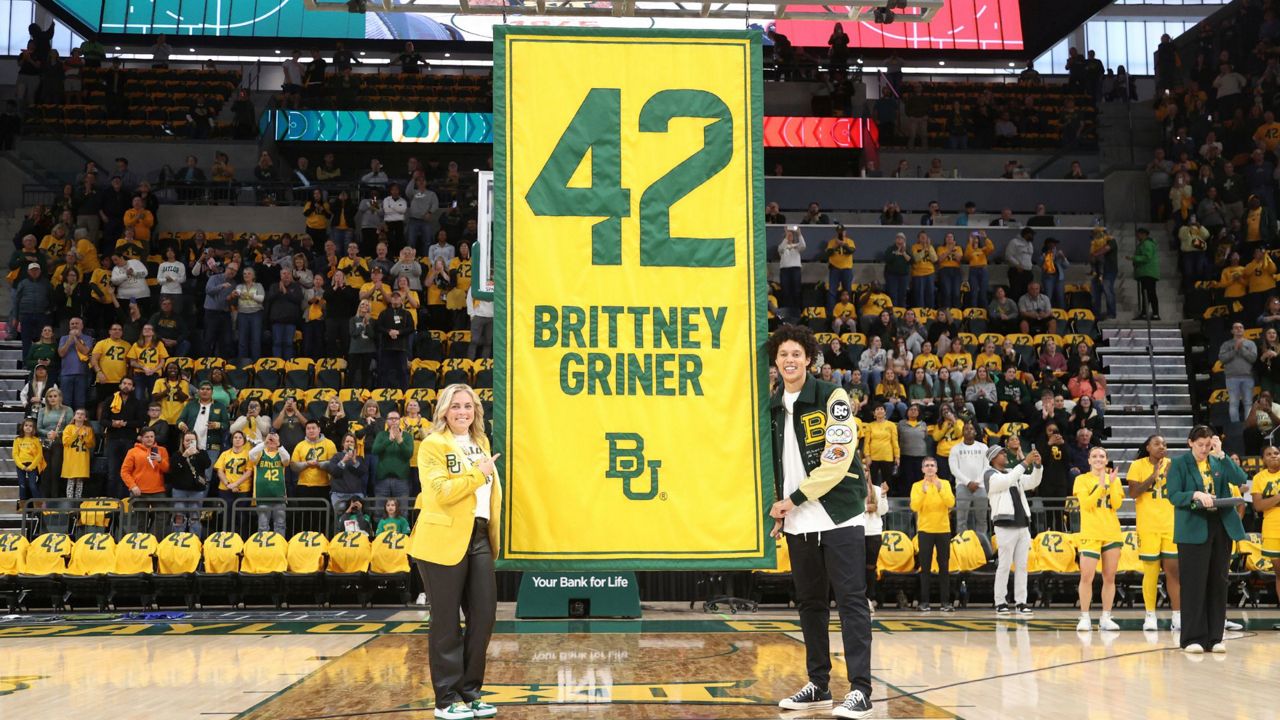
[[627, 463]]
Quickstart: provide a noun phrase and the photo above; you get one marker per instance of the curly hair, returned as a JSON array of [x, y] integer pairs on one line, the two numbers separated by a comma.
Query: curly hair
[[794, 333]]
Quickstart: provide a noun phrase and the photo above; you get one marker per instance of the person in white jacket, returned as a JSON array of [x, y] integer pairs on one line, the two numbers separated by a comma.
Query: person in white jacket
[[129, 277], [790, 251], [874, 527], [1011, 514], [394, 208], [967, 461]]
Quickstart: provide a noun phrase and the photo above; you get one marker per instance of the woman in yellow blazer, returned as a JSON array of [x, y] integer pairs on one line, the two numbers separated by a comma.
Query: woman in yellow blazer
[[454, 541]]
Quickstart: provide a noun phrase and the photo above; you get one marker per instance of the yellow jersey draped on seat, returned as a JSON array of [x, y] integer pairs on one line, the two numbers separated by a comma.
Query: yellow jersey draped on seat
[[93, 554], [1130, 560], [136, 554], [222, 551], [1053, 551], [265, 552], [390, 553], [13, 554], [897, 553], [178, 553], [307, 551], [350, 552], [48, 554]]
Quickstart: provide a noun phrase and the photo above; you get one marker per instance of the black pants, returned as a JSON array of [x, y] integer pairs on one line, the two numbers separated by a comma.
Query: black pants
[[457, 655], [1018, 282], [873, 554], [1147, 300], [791, 297], [882, 472], [929, 544], [1204, 587], [820, 562]]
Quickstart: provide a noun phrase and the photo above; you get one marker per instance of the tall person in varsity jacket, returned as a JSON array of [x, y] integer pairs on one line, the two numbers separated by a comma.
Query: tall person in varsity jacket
[[823, 488], [1011, 514]]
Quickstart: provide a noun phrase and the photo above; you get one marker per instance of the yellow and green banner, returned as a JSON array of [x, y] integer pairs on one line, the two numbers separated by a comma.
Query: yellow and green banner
[[630, 302]]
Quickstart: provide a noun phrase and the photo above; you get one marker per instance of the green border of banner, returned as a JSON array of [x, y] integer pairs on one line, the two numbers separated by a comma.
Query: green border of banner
[[759, 287]]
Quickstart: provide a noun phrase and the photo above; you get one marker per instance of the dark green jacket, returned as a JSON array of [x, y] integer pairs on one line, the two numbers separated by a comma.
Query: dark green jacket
[[831, 463], [218, 419], [1191, 523]]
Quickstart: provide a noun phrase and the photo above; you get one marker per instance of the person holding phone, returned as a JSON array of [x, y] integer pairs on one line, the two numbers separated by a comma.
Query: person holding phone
[[1100, 494], [454, 542], [790, 253], [1199, 483], [1011, 514]]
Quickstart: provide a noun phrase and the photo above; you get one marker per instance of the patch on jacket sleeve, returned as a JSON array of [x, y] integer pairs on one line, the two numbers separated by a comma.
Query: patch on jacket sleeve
[[839, 434], [840, 411], [834, 454]]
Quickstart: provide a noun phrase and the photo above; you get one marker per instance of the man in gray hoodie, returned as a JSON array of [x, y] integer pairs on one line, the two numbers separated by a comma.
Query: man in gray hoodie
[[1238, 356]]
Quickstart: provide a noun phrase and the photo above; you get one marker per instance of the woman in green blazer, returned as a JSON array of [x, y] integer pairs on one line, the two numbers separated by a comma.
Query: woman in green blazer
[[1203, 532]]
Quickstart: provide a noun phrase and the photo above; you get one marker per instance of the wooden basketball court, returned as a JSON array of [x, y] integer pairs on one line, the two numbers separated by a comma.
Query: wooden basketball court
[[674, 664]]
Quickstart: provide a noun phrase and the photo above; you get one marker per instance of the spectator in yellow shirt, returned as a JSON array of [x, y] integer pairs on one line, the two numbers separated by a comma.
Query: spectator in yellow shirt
[[923, 257], [977, 250], [1234, 282], [892, 394], [880, 446], [28, 457], [1261, 274], [949, 257], [839, 265], [317, 213], [931, 501], [844, 316], [141, 220]]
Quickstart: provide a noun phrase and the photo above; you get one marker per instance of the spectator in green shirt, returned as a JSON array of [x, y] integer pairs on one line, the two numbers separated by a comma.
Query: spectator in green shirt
[[393, 520]]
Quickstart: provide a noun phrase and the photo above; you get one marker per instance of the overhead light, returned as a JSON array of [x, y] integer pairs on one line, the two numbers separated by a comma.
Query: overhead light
[[1011, 64], [191, 49], [361, 53], [447, 55], [859, 61], [277, 52], [117, 48], [942, 62]]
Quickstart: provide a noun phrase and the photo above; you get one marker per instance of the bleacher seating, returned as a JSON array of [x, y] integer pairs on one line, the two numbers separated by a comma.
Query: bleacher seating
[[156, 99], [1048, 101]]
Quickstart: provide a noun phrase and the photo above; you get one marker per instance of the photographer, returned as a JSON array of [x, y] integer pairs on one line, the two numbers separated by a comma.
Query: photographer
[[353, 517], [188, 482], [891, 214], [1011, 515]]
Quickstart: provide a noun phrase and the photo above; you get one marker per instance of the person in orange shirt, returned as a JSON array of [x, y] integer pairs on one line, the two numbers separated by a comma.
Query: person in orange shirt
[[141, 220], [145, 466]]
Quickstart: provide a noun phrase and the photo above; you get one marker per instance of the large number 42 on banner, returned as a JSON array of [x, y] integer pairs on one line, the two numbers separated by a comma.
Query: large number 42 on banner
[[630, 300]]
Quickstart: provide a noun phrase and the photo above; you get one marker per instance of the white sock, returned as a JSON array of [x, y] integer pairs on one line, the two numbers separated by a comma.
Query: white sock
[[1085, 615], [1151, 614], [1106, 616], [1177, 614]]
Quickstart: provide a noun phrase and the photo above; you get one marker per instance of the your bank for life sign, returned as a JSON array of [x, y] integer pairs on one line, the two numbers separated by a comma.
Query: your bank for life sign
[[630, 302]]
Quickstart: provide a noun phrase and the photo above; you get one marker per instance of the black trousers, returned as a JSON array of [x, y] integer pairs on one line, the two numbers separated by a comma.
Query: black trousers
[[820, 562], [1203, 567], [1147, 300], [457, 654], [873, 554], [929, 543], [882, 473]]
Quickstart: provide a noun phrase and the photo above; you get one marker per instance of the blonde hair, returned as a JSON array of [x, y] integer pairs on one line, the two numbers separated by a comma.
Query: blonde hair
[[439, 423]]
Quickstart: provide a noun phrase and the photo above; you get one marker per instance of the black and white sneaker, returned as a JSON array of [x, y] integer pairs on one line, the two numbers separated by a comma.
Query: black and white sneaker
[[1002, 609], [1025, 611], [855, 705], [810, 697], [924, 609], [948, 608]]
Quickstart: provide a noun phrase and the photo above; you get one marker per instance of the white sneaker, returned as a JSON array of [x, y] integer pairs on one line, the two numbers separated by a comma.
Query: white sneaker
[[872, 604], [1175, 623], [1193, 649], [856, 706], [1219, 649], [1149, 622], [1085, 625], [1230, 625], [422, 599], [1106, 623]]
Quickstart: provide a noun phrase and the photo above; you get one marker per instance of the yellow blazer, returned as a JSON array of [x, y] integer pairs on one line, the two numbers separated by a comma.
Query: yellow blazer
[[447, 504]]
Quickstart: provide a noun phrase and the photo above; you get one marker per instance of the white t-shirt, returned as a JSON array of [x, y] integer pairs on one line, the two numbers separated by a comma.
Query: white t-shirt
[[810, 516], [473, 453]]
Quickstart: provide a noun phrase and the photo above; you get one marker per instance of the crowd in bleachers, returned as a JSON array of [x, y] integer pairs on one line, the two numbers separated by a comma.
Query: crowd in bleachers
[[221, 342]]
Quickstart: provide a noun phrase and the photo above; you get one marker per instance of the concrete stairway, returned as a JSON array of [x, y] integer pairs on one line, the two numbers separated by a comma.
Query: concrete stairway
[[1132, 354], [12, 378]]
